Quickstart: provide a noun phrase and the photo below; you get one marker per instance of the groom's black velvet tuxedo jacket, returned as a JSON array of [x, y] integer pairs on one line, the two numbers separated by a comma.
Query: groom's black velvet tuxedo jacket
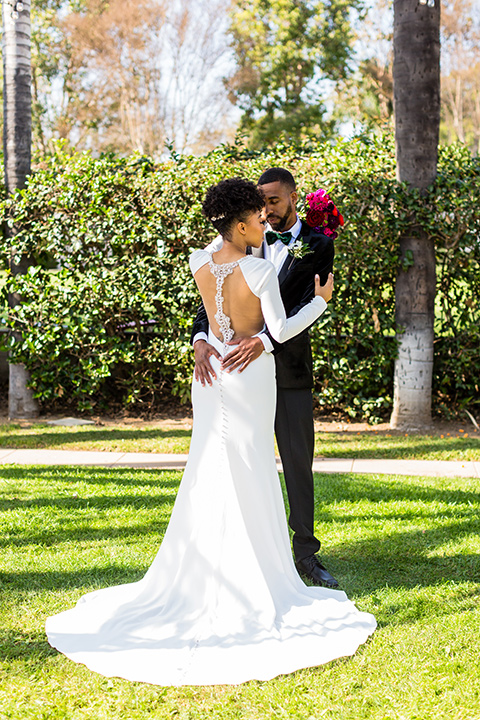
[[293, 359]]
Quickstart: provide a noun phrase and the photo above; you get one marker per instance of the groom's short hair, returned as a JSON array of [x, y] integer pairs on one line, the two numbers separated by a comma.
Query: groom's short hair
[[278, 174]]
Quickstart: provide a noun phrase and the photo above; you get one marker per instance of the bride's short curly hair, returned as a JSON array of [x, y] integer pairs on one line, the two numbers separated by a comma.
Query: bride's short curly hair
[[232, 200]]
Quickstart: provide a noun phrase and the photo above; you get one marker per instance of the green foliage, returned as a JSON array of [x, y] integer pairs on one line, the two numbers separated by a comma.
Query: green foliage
[[110, 323], [452, 216], [283, 48]]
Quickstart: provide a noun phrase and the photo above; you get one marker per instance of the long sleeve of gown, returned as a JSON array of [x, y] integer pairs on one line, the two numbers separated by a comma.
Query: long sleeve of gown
[[261, 277]]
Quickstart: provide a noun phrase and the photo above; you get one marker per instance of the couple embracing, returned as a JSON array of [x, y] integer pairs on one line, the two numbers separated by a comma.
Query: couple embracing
[[223, 602], [293, 359]]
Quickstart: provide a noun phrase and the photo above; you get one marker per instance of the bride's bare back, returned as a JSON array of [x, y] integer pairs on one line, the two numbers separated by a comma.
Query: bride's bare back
[[249, 297], [239, 303]]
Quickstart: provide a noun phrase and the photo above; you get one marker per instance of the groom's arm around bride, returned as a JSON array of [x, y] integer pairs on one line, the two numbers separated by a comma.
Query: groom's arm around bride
[[296, 278], [298, 254]]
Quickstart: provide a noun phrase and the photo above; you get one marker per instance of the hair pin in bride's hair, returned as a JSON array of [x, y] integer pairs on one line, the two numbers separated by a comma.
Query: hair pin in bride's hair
[[219, 217]]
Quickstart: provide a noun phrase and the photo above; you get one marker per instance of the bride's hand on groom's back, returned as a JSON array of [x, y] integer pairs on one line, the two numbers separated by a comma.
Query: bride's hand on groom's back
[[325, 291]]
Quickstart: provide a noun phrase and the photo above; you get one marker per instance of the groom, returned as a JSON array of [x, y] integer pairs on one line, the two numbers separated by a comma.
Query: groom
[[293, 359]]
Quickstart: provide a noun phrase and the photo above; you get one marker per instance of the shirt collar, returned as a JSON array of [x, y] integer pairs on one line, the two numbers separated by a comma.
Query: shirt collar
[[295, 230]]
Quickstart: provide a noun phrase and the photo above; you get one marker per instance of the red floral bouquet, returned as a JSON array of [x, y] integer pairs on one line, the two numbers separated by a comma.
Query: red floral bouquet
[[322, 214]]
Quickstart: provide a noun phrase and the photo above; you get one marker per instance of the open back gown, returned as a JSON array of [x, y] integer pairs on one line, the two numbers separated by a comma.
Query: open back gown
[[222, 602]]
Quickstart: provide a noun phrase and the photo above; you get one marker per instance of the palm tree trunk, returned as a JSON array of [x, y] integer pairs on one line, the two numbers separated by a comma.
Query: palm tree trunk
[[416, 75], [17, 131]]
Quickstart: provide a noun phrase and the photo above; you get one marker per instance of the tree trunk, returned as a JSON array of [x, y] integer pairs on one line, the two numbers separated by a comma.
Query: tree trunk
[[416, 75], [17, 131]]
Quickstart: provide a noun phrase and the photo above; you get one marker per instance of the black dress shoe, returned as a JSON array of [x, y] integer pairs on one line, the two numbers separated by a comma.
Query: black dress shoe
[[312, 568]]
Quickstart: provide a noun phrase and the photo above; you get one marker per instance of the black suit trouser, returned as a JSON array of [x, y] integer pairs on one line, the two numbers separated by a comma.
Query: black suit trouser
[[295, 438]]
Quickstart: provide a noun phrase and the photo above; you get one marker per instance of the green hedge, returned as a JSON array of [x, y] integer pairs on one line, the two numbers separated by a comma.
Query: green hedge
[[108, 308]]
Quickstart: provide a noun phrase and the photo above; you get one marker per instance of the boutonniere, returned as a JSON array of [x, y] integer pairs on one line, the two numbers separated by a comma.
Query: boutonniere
[[322, 215], [299, 249]]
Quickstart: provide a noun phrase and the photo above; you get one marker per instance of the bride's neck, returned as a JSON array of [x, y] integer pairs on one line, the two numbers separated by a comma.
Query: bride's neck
[[232, 250]]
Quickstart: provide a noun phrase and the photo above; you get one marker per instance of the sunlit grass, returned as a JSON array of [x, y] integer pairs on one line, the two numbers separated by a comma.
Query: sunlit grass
[[173, 439], [406, 549], [407, 446], [149, 438]]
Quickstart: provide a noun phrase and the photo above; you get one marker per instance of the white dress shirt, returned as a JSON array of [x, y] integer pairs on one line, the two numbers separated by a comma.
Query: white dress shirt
[[277, 253]]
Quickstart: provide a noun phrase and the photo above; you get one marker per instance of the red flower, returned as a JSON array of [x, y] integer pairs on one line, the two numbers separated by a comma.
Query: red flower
[[315, 218], [322, 214]]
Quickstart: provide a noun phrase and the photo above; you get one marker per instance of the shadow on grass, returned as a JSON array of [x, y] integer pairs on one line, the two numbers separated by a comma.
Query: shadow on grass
[[417, 556], [411, 447], [354, 488], [82, 531], [86, 580], [431, 604], [15, 644], [370, 565], [393, 447], [77, 518], [139, 477], [104, 502], [84, 501], [406, 557], [51, 439]]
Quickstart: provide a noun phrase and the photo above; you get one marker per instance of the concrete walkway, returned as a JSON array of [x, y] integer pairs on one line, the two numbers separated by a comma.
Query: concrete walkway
[[159, 461]]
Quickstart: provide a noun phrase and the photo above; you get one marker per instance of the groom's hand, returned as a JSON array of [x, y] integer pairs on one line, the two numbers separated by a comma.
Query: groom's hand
[[203, 370], [248, 349]]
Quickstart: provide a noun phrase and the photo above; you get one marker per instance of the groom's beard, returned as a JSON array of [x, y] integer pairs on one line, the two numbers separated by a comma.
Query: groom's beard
[[278, 224]]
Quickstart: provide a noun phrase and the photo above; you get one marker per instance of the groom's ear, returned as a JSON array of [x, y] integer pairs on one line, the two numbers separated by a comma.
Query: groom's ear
[[294, 197]]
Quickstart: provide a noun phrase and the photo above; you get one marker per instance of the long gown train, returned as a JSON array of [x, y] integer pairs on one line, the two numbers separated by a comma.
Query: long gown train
[[222, 601]]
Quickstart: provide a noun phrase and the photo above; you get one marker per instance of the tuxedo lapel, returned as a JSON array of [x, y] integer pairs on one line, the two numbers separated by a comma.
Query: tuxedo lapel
[[290, 261], [285, 269], [305, 232]]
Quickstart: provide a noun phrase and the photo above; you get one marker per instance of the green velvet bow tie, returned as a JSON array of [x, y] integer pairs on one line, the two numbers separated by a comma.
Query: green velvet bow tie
[[271, 237]]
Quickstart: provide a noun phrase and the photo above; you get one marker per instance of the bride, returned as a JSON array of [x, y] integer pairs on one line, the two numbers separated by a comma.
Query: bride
[[222, 601]]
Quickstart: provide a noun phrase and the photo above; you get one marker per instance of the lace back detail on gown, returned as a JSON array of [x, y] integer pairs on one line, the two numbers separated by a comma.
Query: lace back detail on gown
[[220, 272]]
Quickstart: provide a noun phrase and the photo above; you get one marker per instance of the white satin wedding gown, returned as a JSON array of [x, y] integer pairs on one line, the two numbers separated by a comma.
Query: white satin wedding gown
[[222, 602]]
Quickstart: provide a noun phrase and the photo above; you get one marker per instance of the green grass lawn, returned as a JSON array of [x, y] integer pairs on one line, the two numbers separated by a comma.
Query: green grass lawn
[[405, 549], [151, 438], [461, 446]]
